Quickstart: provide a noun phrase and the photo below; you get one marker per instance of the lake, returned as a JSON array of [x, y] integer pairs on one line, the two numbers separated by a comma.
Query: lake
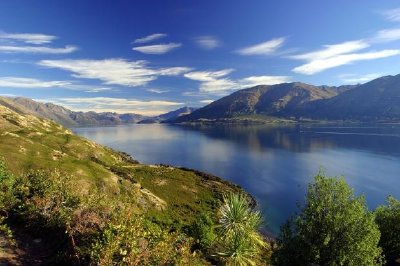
[[273, 163]]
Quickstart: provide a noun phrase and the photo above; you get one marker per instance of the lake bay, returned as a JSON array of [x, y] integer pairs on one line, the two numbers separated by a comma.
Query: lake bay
[[272, 162]]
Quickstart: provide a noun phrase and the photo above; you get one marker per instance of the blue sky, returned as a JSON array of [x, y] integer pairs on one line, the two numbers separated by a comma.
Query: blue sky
[[151, 56]]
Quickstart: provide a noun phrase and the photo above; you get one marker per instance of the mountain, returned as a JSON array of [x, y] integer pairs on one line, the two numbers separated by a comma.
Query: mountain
[[170, 116], [274, 100], [65, 116], [377, 100]]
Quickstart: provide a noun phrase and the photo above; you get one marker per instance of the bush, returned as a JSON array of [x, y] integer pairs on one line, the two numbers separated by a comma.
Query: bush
[[7, 198], [333, 228], [388, 220], [202, 230], [131, 240]]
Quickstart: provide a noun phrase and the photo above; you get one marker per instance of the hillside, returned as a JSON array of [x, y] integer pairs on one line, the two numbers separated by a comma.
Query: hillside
[[280, 100], [67, 117], [377, 100], [91, 174]]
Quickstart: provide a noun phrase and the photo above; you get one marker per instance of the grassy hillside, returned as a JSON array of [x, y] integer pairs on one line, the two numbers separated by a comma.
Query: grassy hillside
[[100, 178]]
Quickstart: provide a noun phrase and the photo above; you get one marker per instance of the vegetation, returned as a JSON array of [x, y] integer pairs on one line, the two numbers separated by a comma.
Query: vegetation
[[388, 220], [90, 205], [333, 228], [240, 242]]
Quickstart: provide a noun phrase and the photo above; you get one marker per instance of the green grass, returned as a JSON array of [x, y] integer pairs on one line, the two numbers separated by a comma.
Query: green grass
[[29, 143]]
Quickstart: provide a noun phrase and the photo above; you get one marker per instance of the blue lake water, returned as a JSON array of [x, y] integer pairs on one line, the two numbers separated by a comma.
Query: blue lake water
[[273, 163]]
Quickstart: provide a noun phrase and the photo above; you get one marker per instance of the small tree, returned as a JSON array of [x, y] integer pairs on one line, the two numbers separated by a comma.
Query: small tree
[[333, 228], [240, 242], [388, 220]]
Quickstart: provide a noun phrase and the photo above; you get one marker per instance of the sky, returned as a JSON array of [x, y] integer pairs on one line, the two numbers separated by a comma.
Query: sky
[[150, 57]]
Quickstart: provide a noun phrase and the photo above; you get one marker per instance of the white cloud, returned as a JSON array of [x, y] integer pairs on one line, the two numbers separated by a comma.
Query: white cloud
[[96, 90], [114, 71], [32, 38], [387, 35], [37, 49], [157, 48], [342, 54], [332, 50], [318, 65], [265, 48], [158, 91], [212, 81], [206, 101], [263, 80], [118, 105], [356, 79], [392, 14], [151, 37], [216, 82], [29, 83], [208, 42]]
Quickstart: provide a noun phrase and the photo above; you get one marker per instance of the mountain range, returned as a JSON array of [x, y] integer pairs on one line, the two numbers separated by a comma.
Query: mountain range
[[69, 118], [374, 101], [377, 100]]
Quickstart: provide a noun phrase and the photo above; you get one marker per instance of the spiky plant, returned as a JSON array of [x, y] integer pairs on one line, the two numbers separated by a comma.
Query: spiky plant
[[238, 224]]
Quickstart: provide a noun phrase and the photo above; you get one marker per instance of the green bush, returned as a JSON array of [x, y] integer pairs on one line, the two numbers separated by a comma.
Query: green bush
[[202, 230], [129, 239], [388, 220], [7, 198], [333, 228]]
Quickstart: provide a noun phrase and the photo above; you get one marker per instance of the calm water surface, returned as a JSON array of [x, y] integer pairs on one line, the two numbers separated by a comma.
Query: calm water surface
[[273, 163]]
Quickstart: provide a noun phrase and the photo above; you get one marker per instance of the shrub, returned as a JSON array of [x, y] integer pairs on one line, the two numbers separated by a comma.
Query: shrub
[[203, 231], [333, 228], [388, 220]]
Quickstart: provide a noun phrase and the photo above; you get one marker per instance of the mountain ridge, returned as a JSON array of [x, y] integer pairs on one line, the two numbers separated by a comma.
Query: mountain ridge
[[377, 100], [69, 118]]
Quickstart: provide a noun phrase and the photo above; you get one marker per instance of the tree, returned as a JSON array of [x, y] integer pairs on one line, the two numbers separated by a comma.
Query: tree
[[388, 220], [333, 228], [240, 242]]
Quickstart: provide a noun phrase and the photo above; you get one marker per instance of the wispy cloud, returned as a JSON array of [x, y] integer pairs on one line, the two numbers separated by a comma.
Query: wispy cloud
[[318, 65], [151, 37], [212, 81], [32, 38], [114, 71], [118, 105], [157, 48], [208, 42], [158, 91], [16, 43], [332, 50], [355, 79], [339, 54], [206, 101], [96, 90], [265, 48], [392, 14], [217, 82], [263, 80], [37, 49], [29, 83], [387, 35]]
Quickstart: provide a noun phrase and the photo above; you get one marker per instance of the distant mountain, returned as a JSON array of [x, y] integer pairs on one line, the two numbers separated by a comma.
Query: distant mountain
[[170, 116], [377, 100], [65, 116]]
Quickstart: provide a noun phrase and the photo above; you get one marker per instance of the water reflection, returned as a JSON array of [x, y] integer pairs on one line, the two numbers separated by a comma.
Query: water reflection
[[274, 163]]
